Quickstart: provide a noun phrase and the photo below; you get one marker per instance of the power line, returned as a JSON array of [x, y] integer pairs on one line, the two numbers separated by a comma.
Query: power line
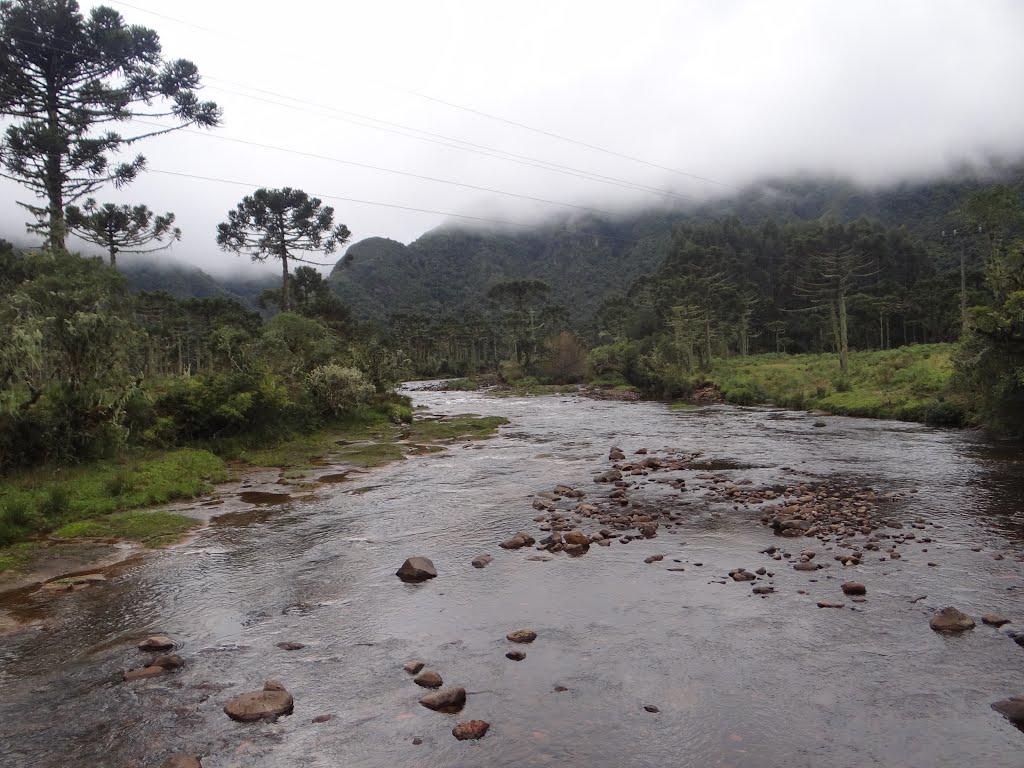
[[369, 166], [481, 113], [340, 198], [442, 140], [480, 149]]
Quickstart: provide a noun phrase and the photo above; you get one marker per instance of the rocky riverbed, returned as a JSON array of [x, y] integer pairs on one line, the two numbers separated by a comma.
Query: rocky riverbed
[[616, 584]]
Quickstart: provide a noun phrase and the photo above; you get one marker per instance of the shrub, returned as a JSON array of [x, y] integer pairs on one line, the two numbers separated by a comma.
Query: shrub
[[336, 389], [224, 405]]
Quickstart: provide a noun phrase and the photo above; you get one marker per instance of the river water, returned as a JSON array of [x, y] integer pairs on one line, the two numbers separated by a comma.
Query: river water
[[739, 680]]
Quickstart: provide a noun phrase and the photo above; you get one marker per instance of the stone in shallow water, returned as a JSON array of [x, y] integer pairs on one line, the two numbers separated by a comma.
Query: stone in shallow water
[[413, 667], [268, 704], [143, 674], [445, 700], [416, 569], [854, 588], [515, 655], [156, 643], [429, 679], [522, 636], [1012, 709], [471, 729], [291, 646], [994, 620], [949, 619], [182, 760], [651, 708]]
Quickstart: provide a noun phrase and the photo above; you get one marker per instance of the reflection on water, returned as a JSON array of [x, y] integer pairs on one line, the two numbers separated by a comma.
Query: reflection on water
[[738, 680]]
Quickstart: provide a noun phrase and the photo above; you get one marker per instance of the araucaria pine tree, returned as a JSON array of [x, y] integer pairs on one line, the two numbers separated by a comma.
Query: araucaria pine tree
[[281, 223], [66, 80], [122, 228]]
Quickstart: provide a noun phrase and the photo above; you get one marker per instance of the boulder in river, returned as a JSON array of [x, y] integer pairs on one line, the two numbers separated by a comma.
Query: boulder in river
[[522, 636], [481, 561], [741, 574], [156, 643], [413, 667], [429, 679], [854, 588], [515, 655], [994, 620], [286, 646], [1012, 709], [182, 760], [576, 543], [949, 619], [520, 540], [144, 673], [268, 704], [830, 604], [445, 700], [471, 729], [416, 569], [610, 476], [168, 661]]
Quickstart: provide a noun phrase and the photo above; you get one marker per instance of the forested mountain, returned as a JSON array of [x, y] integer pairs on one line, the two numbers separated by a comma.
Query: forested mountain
[[181, 281], [449, 270]]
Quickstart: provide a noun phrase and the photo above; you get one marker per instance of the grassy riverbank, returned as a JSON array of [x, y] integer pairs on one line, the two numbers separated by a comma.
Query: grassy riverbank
[[109, 499], [908, 383]]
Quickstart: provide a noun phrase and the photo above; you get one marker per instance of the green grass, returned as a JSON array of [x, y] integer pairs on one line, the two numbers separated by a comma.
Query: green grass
[[533, 390], [462, 385], [47, 498], [468, 426], [909, 383], [154, 529], [17, 556]]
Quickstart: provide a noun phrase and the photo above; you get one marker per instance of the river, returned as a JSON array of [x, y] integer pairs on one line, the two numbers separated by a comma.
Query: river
[[739, 681]]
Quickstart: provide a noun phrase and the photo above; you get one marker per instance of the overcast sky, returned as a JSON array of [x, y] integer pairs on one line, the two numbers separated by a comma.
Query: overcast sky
[[727, 90]]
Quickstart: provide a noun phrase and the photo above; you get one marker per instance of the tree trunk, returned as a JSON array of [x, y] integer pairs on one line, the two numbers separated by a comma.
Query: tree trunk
[[963, 288], [286, 303], [113, 255], [844, 347]]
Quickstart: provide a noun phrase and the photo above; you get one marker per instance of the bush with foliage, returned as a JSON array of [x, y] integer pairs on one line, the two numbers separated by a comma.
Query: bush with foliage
[[336, 389]]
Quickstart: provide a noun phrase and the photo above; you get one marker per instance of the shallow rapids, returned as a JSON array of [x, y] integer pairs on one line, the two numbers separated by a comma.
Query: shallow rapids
[[738, 680]]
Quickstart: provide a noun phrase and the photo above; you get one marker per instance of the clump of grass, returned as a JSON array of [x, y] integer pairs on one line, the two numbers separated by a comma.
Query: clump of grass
[[47, 498], [468, 426], [370, 454], [153, 529]]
